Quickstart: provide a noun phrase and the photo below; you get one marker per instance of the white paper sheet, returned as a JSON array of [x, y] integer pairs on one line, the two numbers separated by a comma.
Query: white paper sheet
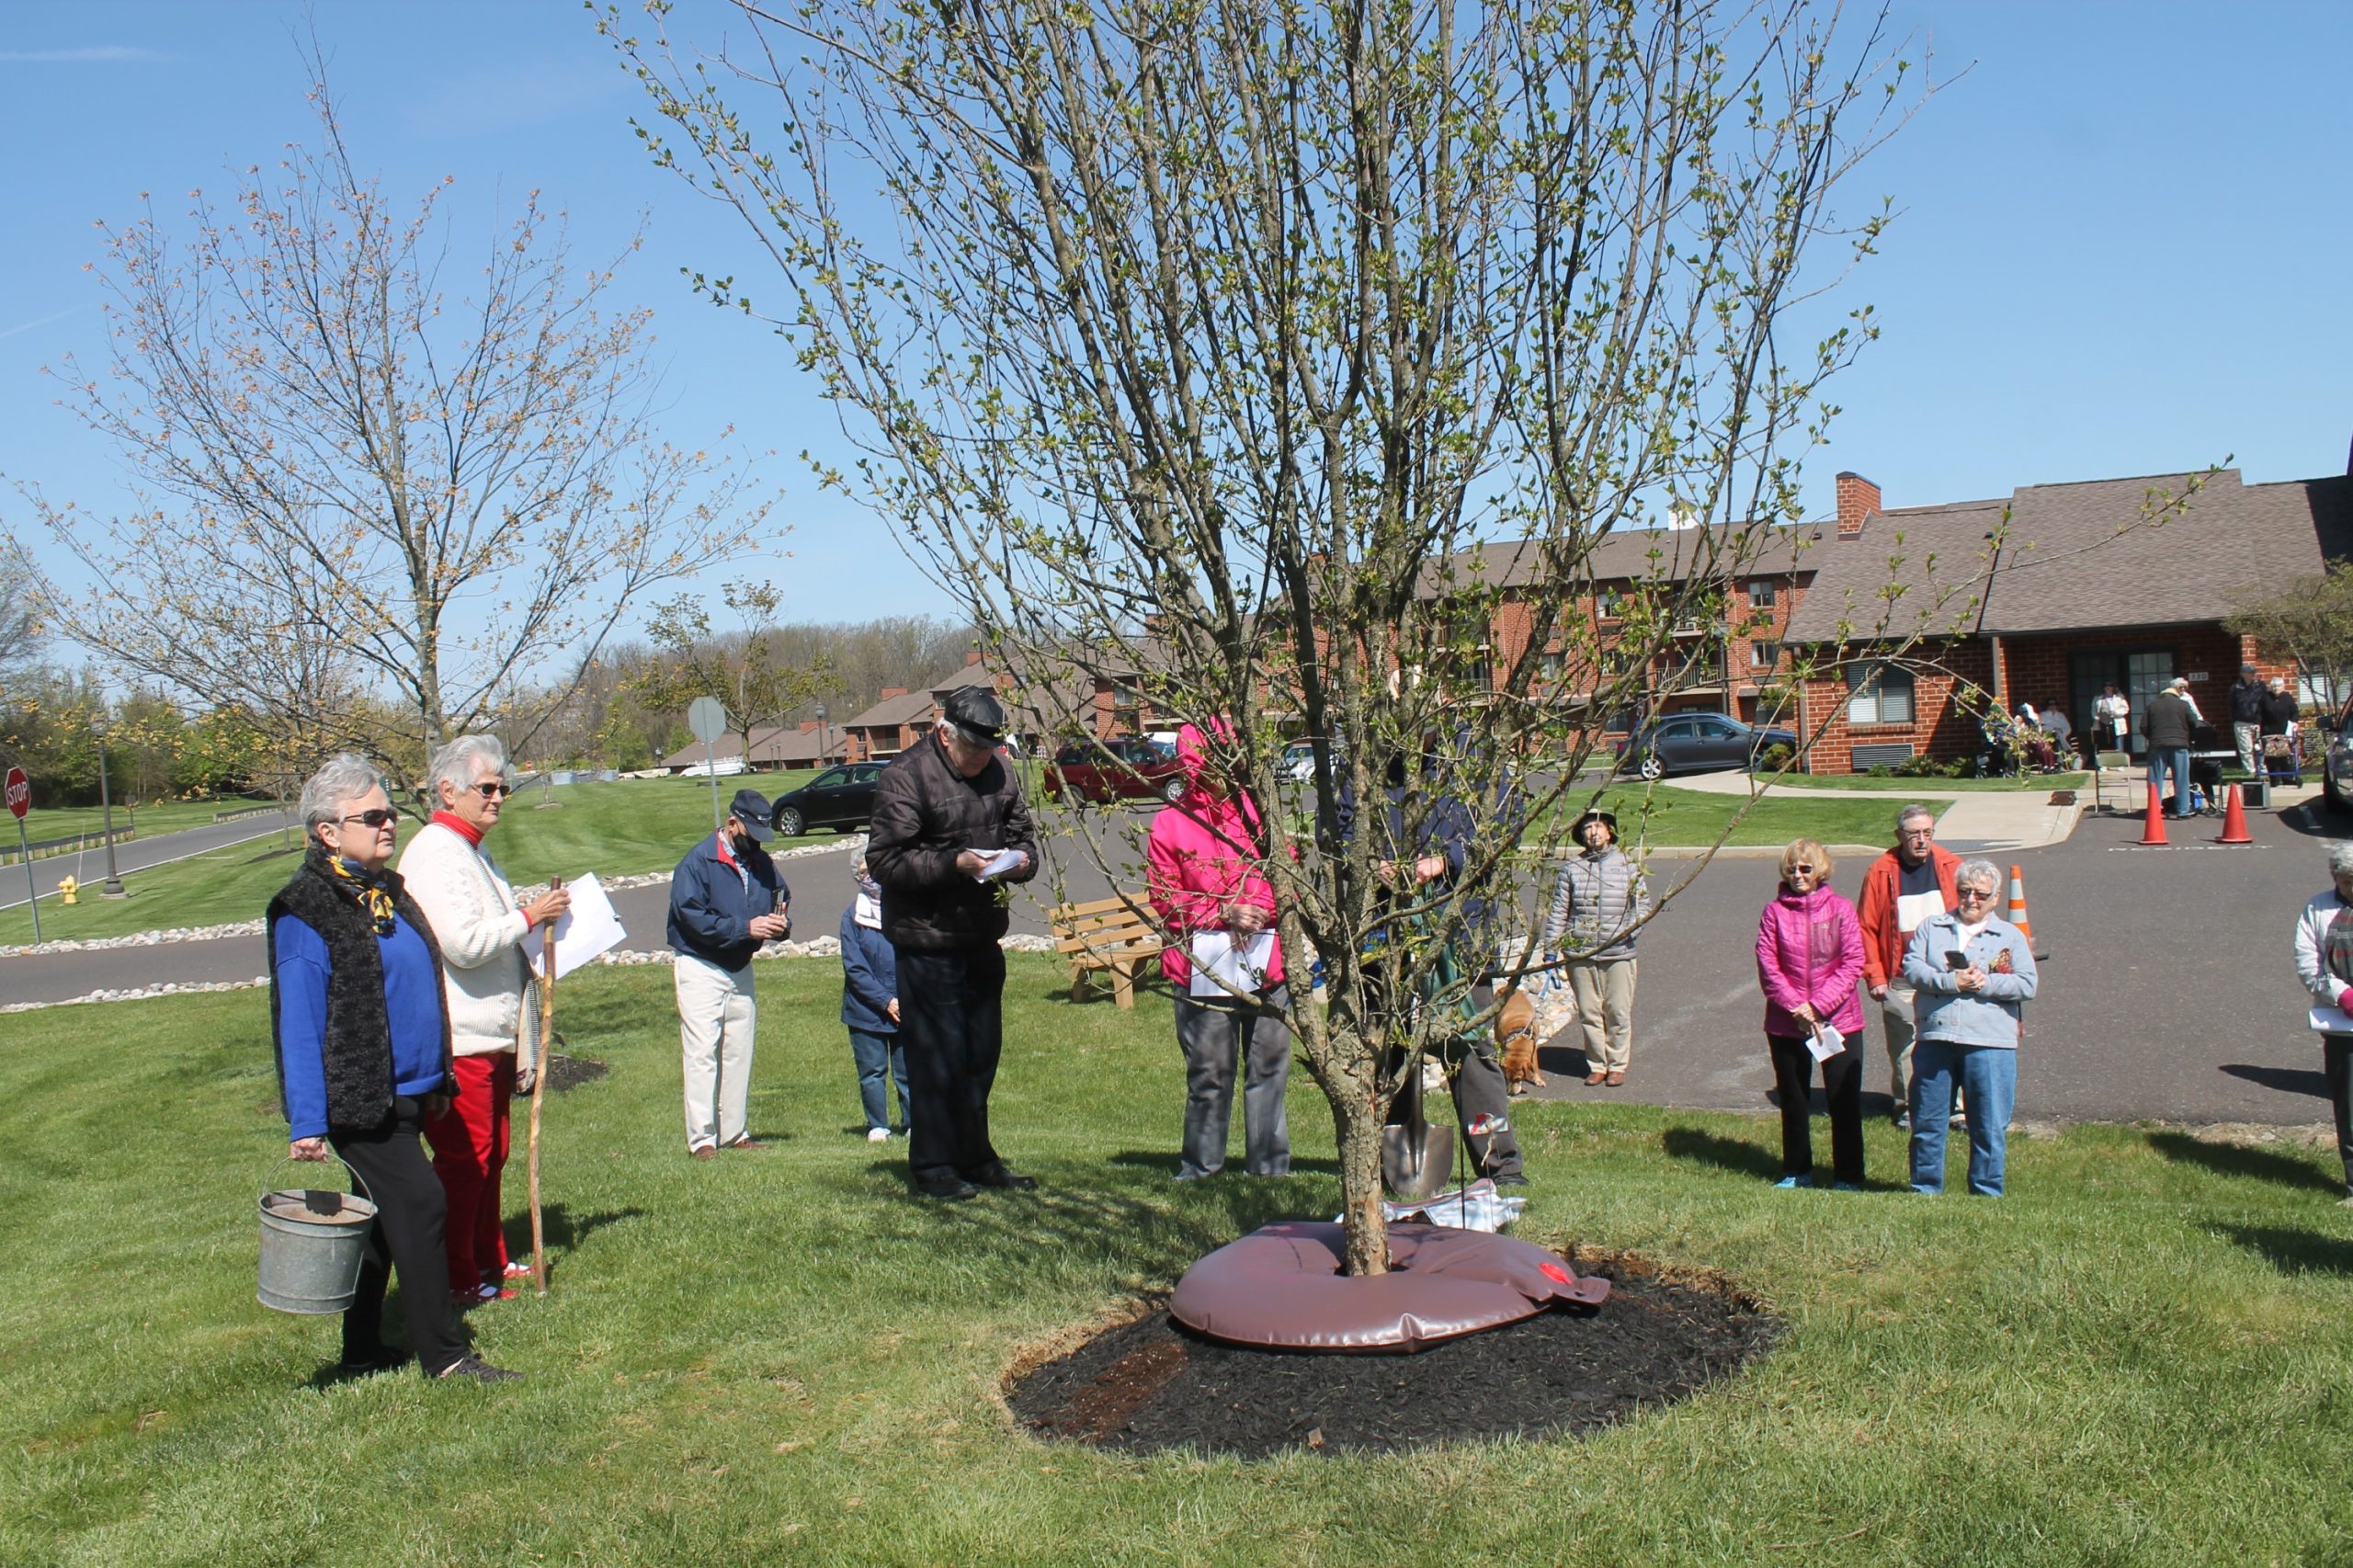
[[1825, 1042], [584, 933], [2332, 1020], [1215, 958], [1002, 862]]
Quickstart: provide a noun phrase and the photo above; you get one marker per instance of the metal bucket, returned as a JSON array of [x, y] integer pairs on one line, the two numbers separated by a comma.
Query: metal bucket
[[311, 1244]]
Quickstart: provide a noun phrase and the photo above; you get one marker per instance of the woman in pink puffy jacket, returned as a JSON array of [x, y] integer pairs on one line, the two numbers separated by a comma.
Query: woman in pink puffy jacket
[[1809, 961]]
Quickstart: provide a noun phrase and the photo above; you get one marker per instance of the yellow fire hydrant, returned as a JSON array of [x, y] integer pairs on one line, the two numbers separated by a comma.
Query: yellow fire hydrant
[[69, 891]]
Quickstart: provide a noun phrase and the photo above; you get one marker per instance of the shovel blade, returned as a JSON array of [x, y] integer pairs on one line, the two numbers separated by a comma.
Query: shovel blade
[[1415, 1160]]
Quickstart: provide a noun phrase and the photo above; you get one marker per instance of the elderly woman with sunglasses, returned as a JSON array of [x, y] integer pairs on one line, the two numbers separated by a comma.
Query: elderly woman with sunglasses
[[1810, 964], [361, 1039], [481, 925], [1973, 970]]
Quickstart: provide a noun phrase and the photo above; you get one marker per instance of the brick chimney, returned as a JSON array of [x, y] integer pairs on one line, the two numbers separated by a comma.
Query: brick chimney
[[972, 657], [807, 726], [892, 691], [1857, 502]]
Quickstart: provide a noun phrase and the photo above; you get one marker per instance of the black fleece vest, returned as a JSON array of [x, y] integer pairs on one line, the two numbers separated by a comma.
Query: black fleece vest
[[358, 1053]]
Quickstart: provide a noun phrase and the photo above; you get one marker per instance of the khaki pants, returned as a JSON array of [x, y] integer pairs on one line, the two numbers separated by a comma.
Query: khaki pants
[[716, 1016], [1604, 994], [1895, 1014]]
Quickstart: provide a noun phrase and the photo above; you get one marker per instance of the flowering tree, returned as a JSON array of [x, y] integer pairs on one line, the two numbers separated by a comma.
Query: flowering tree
[[356, 480], [1289, 364]]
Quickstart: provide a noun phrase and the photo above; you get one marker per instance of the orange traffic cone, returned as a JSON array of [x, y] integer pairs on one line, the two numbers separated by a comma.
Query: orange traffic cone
[[2153, 830], [2235, 822], [2018, 906]]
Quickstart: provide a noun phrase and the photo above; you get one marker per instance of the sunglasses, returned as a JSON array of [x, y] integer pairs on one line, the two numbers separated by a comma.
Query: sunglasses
[[1801, 870], [490, 788], [1971, 895], [380, 816]]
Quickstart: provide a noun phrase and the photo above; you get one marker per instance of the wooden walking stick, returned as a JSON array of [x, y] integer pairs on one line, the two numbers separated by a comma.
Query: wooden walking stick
[[539, 1093]]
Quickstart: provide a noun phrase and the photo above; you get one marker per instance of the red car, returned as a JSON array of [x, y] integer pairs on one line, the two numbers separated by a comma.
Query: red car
[[1129, 768]]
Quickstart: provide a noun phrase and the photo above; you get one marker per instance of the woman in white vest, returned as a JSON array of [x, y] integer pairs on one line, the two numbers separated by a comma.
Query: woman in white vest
[[486, 984]]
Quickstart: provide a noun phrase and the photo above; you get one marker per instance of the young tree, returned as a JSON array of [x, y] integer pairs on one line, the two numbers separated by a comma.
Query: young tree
[[1329, 344], [2311, 618], [431, 494], [745, 671]]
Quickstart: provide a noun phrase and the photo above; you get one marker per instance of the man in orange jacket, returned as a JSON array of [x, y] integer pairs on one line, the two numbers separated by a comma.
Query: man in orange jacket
[[1903, 889]]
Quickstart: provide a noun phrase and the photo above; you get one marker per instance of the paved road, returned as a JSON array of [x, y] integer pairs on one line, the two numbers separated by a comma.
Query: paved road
[[139, 855], [2168, 993]]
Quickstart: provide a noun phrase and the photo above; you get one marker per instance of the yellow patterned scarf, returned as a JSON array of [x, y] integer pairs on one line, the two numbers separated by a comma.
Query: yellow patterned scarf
[[367, 889]]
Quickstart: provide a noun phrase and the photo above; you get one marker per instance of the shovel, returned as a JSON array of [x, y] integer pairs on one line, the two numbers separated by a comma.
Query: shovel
[[1414, 1156]]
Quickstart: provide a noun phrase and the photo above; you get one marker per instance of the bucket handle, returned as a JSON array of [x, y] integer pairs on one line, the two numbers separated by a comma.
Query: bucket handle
[[270, 1183]]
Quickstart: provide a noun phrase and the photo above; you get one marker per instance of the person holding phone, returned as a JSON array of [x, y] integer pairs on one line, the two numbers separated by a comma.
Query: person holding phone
[[726, 901], [1972, 972], [1809, 961]]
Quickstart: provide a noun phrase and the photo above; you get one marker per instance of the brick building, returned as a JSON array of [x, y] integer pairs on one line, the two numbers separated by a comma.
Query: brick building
[[2044, 598]]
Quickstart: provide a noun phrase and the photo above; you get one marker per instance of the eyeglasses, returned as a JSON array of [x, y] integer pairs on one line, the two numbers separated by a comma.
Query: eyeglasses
[[1974, 895], [1929, 831], [379, 816], [490, 788], [1801, 870]]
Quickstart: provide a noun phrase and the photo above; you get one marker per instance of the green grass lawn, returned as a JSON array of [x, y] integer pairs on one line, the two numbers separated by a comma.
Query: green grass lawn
[[618, 829], [2139, 1357], [1663, 814]]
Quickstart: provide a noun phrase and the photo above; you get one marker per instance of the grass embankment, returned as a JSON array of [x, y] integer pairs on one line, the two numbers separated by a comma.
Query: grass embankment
[[1665, 815], [164, 816], [618, 829], [2137, 1358]]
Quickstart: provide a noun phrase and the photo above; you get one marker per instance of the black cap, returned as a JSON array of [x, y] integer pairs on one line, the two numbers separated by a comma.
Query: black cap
[[973, 711], [1606, 819], [751, 808]]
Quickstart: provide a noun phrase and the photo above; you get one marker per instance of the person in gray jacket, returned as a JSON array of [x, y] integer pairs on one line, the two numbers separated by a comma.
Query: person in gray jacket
[[1971, 971], [1599, 901]]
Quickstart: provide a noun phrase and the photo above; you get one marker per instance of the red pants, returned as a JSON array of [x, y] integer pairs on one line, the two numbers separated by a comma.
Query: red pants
[[469, 1153]]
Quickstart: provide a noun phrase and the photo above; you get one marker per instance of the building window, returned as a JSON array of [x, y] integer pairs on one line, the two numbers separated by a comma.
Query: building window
[[1612, 605], [1763, 655], [1549, 667], [1878, 694], [1760, 593]]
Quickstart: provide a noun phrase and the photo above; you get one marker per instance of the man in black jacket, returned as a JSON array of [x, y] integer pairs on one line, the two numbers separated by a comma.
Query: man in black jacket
[[2246, 716], [949, 824], [2167, 721]]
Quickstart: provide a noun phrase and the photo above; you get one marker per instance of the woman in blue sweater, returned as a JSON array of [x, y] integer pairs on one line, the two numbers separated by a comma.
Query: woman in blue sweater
[[871, 1005], [362, 1044]]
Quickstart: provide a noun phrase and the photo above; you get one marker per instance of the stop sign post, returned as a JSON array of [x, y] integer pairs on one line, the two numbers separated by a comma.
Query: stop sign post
[[20, 800]]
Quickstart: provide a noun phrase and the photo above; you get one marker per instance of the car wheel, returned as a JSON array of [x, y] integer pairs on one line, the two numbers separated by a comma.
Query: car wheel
[[1172, 790], [1653, 769], [788, 822]]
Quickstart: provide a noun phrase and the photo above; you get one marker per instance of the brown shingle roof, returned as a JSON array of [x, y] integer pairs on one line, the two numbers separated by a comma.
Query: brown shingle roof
[[1668, 555], [1916, 570], [909, 707]]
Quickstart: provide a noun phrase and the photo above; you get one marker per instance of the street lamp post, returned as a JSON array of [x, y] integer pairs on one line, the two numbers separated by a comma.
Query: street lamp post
[[823, 740], [113, 887]]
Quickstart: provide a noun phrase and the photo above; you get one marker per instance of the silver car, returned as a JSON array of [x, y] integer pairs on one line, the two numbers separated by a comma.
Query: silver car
[[2336, 764]]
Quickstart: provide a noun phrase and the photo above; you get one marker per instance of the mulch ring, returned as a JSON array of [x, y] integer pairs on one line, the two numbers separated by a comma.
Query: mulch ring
[[1148, 1384], [571, 1072]]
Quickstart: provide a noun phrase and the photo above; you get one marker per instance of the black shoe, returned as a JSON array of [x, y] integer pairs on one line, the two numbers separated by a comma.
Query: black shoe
[[383, 1358], [473, 1367], [999, 1175], [948, 1191], [1903, 1119], [1513, 1180]]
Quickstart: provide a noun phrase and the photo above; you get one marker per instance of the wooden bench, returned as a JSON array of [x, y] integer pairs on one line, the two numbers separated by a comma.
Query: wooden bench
[[1106, 935]]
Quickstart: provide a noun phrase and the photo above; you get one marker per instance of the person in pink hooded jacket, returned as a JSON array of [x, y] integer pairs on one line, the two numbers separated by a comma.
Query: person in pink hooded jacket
[[1203, 881], [1810, 960]]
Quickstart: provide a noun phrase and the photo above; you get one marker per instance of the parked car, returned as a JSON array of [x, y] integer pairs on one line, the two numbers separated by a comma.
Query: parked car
[[2336, 764], [1134, 767], [1699, 743], [717, 767], [839, 798], [1298, 764]]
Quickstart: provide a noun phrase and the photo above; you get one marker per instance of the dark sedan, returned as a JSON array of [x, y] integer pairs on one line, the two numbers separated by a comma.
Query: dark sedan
[[1699, 743], [1131, 769], [838, 798]]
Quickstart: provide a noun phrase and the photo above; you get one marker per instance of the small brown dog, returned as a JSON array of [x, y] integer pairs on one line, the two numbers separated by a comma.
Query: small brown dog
[[1516, 1039]]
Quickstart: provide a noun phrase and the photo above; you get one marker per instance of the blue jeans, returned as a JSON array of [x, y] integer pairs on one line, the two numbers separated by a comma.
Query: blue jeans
[[876, 1054], [2178, 760], [1989, 1075]]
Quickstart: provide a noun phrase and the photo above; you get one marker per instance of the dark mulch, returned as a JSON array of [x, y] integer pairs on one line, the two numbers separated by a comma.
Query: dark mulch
[[570, 1071], [1153, 1384]]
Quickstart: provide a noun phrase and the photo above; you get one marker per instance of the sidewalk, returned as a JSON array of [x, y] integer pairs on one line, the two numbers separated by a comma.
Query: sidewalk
[[1976, 819]]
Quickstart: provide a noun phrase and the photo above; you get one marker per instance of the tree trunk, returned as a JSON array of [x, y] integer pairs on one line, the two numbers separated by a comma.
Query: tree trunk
[[1359, 1129]]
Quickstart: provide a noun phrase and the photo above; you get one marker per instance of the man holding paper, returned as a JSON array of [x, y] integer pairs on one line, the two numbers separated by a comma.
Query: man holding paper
[[1810, 961], [726, 901], [949, 825], [486, 985], [1225, 963]]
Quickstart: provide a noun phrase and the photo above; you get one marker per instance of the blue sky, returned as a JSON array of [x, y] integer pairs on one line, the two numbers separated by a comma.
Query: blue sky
[[2122, 249]]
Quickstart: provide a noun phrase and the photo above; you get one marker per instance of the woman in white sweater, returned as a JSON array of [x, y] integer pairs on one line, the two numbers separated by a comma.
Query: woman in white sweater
[[486, 985]]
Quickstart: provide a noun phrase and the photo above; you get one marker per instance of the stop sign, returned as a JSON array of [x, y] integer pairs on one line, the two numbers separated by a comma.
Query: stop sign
[[20, 793]]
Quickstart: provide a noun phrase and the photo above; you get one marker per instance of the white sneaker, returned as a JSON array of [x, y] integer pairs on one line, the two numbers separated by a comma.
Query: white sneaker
[[878, 1135]]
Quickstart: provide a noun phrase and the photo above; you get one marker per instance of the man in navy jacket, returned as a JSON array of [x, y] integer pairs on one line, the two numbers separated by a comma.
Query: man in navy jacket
[[726, 900]]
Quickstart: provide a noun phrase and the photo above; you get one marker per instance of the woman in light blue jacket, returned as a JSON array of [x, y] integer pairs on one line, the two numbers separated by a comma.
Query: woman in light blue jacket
[[1971, 971]]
